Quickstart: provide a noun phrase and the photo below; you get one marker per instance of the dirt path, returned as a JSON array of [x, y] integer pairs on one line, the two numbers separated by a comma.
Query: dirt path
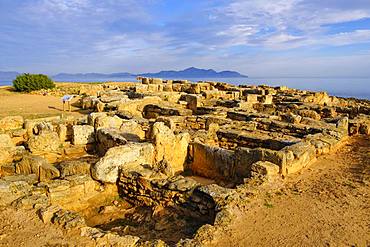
[[31, 106], [328, 204]]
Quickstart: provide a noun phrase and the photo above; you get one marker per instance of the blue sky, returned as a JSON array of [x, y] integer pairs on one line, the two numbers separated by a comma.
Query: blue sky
[[255, 37]]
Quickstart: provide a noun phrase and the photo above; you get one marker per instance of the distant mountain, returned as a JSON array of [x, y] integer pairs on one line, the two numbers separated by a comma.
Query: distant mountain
[[186, 73], [194, 73], [8, 75], [67, 76]]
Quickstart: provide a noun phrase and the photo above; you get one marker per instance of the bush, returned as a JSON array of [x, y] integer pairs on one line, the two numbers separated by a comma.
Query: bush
[[30, 82]]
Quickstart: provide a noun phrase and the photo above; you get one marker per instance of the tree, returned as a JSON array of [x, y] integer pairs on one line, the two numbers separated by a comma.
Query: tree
[[31, 82]]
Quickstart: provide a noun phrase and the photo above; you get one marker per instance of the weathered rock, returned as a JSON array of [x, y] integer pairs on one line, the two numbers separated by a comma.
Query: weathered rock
[[108, 138], [68, 219], [42, 127], [108, 122], [212, 162], [303, 152], [264, 169], [106, 169], [154, 111], [132, 130], [46, 214], [83, 134], [11, 123], [32, 164], [45, 142], [15, 187], [310, 114], [29, 124], [169, 147], [7, 148], [73, 167]]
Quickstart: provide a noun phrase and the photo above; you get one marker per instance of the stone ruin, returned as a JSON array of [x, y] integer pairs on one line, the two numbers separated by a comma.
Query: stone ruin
[[158, 163]]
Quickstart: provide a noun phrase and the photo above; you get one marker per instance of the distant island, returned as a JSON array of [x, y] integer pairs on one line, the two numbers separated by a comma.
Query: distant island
[[194, 73], [191, 72]]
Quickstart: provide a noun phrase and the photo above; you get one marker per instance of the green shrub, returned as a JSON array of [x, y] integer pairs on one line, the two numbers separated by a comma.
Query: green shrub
[[30, 82]]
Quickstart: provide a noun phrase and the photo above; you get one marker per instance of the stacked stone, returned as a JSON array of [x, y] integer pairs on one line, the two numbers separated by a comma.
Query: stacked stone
[[178, 192]]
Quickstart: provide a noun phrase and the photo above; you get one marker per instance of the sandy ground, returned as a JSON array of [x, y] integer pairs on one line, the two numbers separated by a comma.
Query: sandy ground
[[31, 106], [326, 204]]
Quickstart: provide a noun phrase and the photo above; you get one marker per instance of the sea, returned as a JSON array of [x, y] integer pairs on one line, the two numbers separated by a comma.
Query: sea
[[356, 87]]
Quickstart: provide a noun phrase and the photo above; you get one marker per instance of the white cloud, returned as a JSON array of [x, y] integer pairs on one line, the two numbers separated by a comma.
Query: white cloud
[[301, 21]]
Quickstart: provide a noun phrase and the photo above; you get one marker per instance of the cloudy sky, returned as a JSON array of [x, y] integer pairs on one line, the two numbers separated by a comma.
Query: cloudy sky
[[255, 37]]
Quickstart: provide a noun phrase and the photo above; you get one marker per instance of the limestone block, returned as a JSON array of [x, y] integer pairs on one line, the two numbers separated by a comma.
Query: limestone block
[[7, 148], [45, 142], [303, 152], [83, 134], [62, 132], [244, 158], [108, 122], [106, 169], [264, 169], [92, 116], [212, 162], [132, 130], [108, 138], [251, 98], [89, 102], [169, 147], [11, 123], [155, 81], [291, 118], [342, 124]]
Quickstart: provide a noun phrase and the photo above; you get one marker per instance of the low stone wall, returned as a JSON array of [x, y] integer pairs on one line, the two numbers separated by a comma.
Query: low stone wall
[[145, 187]]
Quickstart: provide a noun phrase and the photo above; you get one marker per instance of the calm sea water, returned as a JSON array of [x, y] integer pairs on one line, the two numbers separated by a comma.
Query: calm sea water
[[343, 87]]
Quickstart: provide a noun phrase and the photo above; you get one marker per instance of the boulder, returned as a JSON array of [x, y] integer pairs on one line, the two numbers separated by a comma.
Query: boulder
[[106, 169], [170, 147], [31, 164], [11, 123], [83, 134]]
